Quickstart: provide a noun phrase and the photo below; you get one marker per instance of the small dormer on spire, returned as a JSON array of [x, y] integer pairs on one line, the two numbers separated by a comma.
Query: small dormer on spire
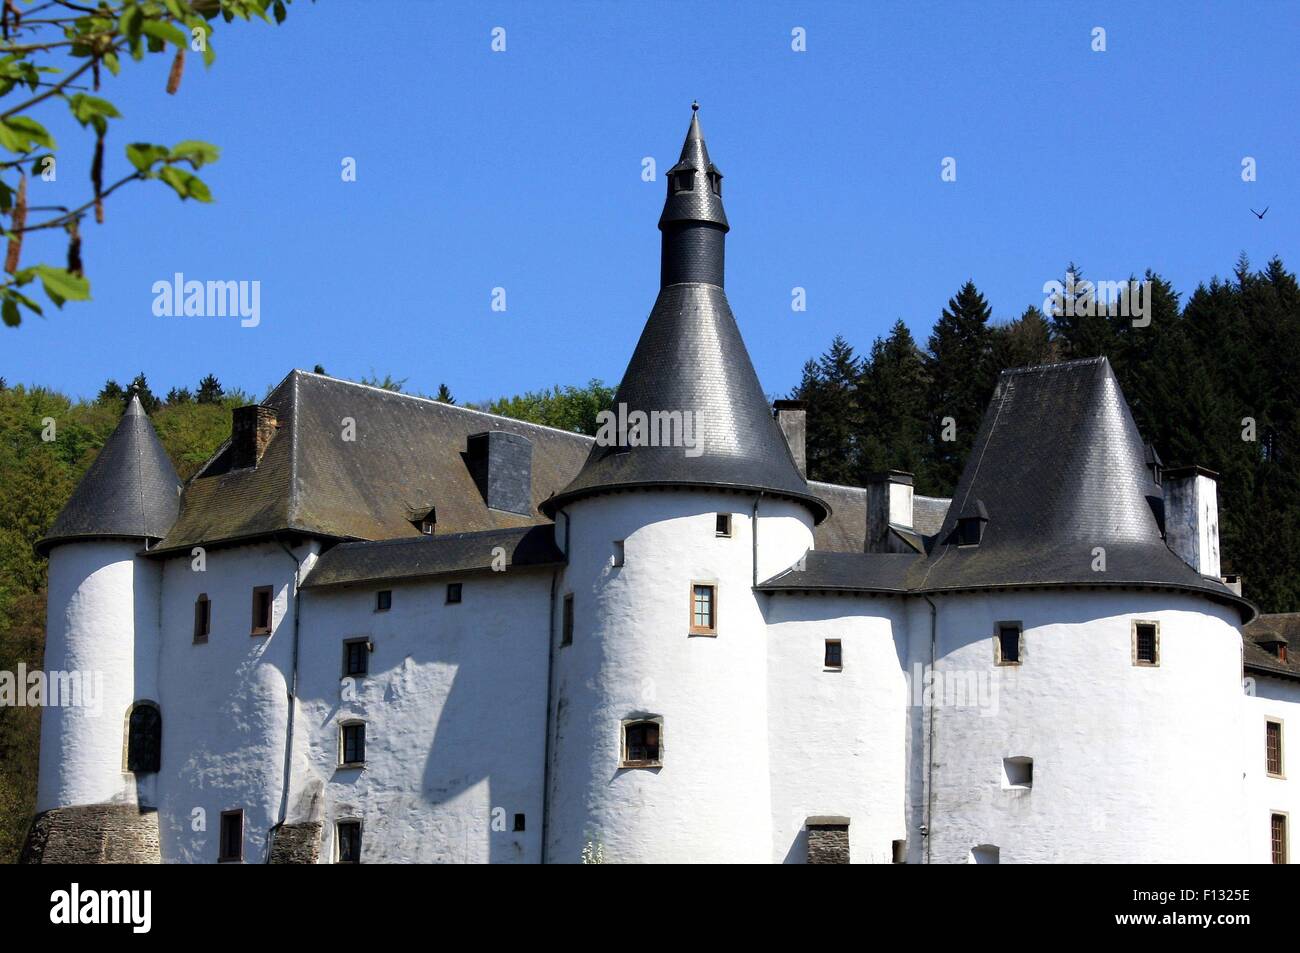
[[693, 220]]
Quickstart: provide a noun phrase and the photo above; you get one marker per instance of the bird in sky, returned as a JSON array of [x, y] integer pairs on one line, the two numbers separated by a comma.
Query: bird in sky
[[1260, 215]]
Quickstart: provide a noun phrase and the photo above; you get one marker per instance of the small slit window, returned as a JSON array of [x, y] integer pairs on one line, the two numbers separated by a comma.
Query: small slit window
[[352, 744], [520, 822], [985, 854], [383, 600], [1146, 643], [349, 842], [356, 658], [231, 842], [454, 593], [834, 657], [684, 181], [566, 626], [262, 601], [704, 609], [1008, 643], [641, 744], [1273, 747], [715, 183], [620, 554], [723, 525], [202, 618]]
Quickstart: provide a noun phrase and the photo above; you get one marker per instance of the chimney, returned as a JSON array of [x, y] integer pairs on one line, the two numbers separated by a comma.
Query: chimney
[[792, 417], [889, 500], [251, 430], [1192, 517], [501, 464]]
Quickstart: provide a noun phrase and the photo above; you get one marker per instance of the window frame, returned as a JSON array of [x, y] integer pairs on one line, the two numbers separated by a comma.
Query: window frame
[[827, 664], [458, 588], [722, 526], [1280, 773], [711, 630], [624, 762], [365, 657], [379, 600], [1279, 853], [680, 176], [343, 743], [1155, 649], [339, 824], [269, 593], [1019, 626], [222, 856], [204, 630]]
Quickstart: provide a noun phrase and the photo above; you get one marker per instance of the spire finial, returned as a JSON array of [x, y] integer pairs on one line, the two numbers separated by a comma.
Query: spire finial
[[695, 105]]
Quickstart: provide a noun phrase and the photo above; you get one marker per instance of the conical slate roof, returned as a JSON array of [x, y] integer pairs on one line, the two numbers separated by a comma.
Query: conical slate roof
[[1060, 470], [130, 490], [691, 361]]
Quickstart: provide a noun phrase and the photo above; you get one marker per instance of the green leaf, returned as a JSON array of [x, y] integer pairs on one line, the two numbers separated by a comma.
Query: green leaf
[[186, 184], [197, 153], [87, 108], [62, 285], [143, 155], [20, 133], [113, 63], [280, 12], [166, 32], [12, 316]]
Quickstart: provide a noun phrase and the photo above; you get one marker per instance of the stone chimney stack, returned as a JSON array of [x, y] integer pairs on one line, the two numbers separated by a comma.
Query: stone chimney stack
[[501, 464], [1192, 517], [251, 430], [889, 500], [792, 417]]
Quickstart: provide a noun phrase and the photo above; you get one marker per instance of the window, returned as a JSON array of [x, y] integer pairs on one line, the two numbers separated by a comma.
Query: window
[[1146, 643], [356, 657], [519, 822], [262, 601], [383, 600], [619, 554], [1273, 744], [834, 654], [1017, 774], [426, 527], [704, 609], [900, 851], [202, 618], [684, 181], [985, 854], [144, 738], [349, 834], [566, 627], [715, 183], [454, 593], [641, 744], [352, 744], [1277, 831], [231, 846], [969, 531], [1006, 649], [724, 524]]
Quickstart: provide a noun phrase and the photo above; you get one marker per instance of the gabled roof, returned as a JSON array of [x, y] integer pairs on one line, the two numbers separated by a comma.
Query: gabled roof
[[408, 456], [844, 572], [130, 490]]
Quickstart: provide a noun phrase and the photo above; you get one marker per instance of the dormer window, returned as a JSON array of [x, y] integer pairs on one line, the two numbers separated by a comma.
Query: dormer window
[[425, 522], [715, 182], [426, 527], [970, 525], [1275, 647], [683, 181]]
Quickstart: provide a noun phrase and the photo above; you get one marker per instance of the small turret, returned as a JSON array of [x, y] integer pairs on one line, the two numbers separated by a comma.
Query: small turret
[[693, 222]]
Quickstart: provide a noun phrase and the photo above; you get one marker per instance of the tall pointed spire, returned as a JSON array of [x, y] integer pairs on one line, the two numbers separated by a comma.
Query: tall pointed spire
[[130, 490], [691, 365], [693, 221]]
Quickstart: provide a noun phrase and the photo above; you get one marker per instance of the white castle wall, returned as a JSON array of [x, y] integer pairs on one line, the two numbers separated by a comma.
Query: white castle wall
[[1131, 763], [455, 713], [838, 745], [102, 627], [1278, 699], [632, 656], [224, 702]]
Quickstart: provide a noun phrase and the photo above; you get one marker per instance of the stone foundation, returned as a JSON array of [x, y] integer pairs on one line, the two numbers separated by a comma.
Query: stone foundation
[[93, 834], [296, 843]]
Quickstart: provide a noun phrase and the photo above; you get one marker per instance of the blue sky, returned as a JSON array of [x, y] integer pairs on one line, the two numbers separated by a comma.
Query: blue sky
[[522, 170]]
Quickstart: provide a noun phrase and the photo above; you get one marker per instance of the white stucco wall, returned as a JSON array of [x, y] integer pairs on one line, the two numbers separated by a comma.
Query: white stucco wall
[[1277, 699], [1131, 763], [632, 657], [455, 712], [102, 628], [837, 738]]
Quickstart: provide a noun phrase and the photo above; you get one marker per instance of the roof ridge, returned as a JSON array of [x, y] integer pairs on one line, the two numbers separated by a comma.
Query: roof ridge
[[1056, 365], [429, 539]]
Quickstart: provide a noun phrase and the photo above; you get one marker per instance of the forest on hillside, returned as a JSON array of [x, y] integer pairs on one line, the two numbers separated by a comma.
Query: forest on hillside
[[1211, 380]]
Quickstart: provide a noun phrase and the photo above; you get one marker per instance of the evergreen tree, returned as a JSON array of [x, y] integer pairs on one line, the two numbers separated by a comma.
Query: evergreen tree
[[961, 383], [139, 387], [179, 395], [444, 395], [111, 394], [1080, 322], [893, 398], [830, 389], [210, 391], [1025, 342]]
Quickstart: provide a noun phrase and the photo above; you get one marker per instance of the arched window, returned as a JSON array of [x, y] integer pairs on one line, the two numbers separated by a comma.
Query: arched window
[[144, 738]]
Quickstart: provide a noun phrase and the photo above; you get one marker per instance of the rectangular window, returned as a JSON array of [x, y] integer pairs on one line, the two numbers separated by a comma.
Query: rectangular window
[[566, 627], [619, 554], [834, 654], [383, 600], [1017, 773], [641, 744], [900, 852], [1278, 837], [724, 524], [349, 842], [520, 822], [704, 609], [1273, 745], [202, 618], [1146, 643], [352, 747], [454, 593], [1008, 643], [231, 846], [356, 657], [262, 601]]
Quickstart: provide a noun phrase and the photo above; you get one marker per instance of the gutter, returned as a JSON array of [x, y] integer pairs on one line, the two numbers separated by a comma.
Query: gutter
[[926, 830], [550, 693], [292, 698]]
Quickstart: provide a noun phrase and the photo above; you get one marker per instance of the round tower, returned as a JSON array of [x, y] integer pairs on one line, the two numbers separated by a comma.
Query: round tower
[[659, 738], [101, 644]]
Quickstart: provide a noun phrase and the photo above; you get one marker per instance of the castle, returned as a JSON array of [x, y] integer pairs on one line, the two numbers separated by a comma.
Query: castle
[[379, 628]]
